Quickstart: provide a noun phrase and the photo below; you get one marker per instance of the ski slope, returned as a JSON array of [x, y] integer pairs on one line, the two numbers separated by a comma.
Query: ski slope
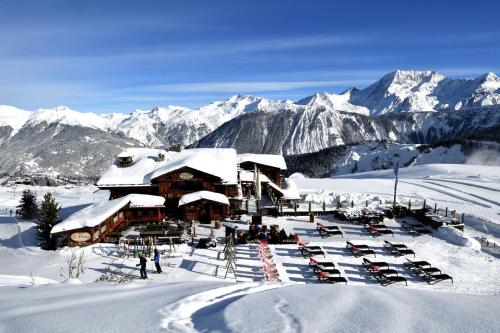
[[192, 294]]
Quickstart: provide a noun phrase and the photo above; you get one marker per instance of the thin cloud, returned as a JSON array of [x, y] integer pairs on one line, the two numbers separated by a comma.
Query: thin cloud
[[255, 86]]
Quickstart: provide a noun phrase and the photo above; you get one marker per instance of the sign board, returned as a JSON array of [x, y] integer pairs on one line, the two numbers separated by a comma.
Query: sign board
[[186, 176], [80, 237]]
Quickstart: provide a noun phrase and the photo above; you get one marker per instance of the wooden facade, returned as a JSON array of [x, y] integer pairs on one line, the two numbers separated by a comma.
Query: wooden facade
[[173, 185], [204, 211], [124, 216]]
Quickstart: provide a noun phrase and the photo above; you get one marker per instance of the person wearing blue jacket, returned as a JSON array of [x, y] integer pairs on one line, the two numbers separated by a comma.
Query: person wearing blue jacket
[[156, 259]]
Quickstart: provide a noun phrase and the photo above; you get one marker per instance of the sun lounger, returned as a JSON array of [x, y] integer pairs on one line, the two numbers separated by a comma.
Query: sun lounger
[[379, 230], [320, 269], [327, 231], [416, 229], [386, 280], [308, 251], [398, 249], [381, 264], [360, 250], [427, 270], [313, 262], [324, 277], [435, 278], [415, 265]]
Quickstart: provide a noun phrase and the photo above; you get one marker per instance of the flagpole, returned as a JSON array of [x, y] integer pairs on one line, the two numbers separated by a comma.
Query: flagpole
[[396, 171]]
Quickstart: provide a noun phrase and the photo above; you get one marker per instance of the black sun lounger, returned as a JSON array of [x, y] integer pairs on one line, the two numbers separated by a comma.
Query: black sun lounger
[[416, 229], [327, 231], [427, 271], [381, 264], [310, 251], [386, 280], [398, 249], [324, 277], [435, 278], [330, 271], [379, 230], [313, 262], [415, 265], [360, 250]]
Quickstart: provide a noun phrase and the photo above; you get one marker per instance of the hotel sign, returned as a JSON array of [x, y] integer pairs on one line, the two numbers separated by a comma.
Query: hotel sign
[[80, 237], [186, 176]]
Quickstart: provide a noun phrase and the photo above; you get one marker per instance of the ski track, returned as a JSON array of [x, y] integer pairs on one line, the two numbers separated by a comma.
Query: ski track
[[447, 193], [468, 193], [467, 184], [290, 323], [178, 315]]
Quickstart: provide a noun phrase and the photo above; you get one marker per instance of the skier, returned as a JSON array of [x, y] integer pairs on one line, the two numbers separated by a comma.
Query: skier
[[142, 263], [11, 213], [156, 259]]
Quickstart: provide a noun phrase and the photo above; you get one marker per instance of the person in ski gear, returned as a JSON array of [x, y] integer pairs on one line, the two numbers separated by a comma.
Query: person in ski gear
[[156, 259], [142, 263]]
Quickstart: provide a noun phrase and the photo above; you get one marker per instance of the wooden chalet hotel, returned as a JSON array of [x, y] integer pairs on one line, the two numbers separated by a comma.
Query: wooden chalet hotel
[[150, 185]]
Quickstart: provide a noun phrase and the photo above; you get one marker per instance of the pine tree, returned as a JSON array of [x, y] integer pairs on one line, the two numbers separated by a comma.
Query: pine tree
[[48, 216], [27, 206]]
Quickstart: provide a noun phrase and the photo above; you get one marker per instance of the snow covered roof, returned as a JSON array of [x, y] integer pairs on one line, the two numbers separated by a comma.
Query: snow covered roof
[[276, 161], [219, 162], [145, 162], [207, 195], [96, 213]]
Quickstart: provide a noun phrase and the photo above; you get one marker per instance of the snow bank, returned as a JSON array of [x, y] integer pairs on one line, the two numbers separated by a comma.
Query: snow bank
[[207, 195], [326, 308], [456, 237], [23, 281]]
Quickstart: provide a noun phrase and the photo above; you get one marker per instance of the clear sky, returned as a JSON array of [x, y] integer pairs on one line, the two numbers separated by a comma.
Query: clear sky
[[117, 56]]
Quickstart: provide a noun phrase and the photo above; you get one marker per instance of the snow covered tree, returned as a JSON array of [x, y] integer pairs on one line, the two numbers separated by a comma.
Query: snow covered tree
[[48, 216], [27, 206]]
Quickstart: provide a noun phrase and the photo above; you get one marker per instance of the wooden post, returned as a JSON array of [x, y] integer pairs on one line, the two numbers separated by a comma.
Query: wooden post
[[409, 204], [425, 201], [446, 212], [309, 207], [463, 219], [281, 208], [246, 204], [454, 213], [295, 207], [435, 207], [366, 203], [352, 203], [324, 206]]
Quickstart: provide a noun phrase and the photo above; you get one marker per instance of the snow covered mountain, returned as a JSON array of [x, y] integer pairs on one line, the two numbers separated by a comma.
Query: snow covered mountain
[[11, 120], [403, 106], [406, 91], [175, 124], [333, 102]]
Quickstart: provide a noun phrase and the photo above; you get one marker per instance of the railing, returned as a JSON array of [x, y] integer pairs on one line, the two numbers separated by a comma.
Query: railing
[[488, 243]]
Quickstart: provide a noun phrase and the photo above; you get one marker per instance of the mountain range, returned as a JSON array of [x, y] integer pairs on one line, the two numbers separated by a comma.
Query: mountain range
[[403, 106]]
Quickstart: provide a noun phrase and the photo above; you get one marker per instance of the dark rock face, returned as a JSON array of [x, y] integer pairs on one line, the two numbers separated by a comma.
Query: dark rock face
[[310, 130], [62, 149]]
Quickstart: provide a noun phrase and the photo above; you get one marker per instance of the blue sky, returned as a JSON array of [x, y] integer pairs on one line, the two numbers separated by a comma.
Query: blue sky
[[117, 56]]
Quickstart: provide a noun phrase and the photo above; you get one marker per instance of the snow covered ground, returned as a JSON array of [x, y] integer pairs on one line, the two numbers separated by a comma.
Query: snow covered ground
[[191, 295]]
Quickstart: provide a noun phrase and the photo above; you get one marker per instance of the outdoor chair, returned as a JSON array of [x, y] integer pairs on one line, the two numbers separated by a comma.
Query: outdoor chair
[[324, 277]]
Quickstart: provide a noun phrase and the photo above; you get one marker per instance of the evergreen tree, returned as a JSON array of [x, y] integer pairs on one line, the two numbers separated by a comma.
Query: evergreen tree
[[27, 206], [48, 216]]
